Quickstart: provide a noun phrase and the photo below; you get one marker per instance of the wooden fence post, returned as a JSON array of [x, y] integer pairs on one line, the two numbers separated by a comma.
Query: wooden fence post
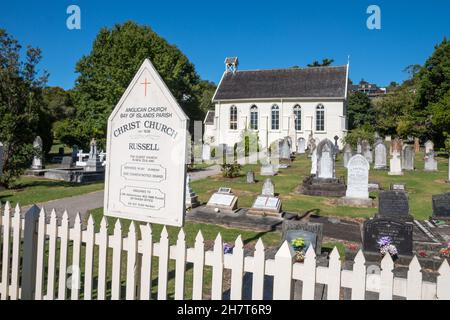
[[30, 253]]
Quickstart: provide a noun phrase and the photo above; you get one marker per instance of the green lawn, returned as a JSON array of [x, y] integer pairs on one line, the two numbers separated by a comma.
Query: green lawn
[[420, 186], [28, 190]]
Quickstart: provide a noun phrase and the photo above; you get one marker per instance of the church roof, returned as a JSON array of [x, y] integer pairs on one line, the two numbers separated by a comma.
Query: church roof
[[314, 82]]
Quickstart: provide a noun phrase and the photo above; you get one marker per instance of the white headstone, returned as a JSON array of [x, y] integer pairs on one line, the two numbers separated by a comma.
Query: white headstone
[[325, 159], [301, 144], [37, 159], [429, 146], [395, 164], [347, 154], [358, 177], [268, 188], [147, 153], [314, 161], [380, 156], [367, 151], [430, 163], [206, 152]]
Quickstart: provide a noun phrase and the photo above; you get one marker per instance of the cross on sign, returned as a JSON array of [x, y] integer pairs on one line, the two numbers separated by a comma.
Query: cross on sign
[[145, 83]]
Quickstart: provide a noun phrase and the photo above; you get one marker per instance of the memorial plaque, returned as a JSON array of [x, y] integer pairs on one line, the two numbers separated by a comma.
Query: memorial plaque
[[399, 231], [265, 202], [441, 205], [224, 190], [221, 199], [294, 229], [393, 203], [147, 153]]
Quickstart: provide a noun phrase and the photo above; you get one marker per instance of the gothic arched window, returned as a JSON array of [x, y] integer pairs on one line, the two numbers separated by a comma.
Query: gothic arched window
[[298, 117], [275, 117], [233, 118], [254, 118], [320, 118]]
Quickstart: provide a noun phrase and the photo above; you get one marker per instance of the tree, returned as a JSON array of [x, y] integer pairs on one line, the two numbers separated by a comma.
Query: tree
[[434, 77], [107, 70], [205, 91], [20, 105], [325, 62], [440, 117], [360, 110]]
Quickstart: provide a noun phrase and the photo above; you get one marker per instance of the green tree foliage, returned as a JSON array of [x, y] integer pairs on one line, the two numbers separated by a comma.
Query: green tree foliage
[[434, 77], [360, 110], [106, 71], [325, 62], [364, 133], [205, 91], [440, 115], [20, 105], [58, 103]]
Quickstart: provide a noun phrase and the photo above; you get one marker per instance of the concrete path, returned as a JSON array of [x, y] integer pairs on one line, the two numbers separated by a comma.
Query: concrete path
[[86, 202]]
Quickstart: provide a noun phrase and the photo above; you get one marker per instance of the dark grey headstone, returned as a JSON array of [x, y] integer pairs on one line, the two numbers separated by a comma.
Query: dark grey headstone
[[399, 231], [295, 228], [441, 205], [393, 204], [61, 151]]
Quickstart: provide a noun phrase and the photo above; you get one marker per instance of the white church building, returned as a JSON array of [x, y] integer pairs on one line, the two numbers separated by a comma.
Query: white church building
[[277, 103]]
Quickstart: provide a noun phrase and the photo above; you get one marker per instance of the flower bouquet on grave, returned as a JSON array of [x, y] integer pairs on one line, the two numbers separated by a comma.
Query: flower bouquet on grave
[[445, 252], [227, 248], [298, 244], [385, 245]]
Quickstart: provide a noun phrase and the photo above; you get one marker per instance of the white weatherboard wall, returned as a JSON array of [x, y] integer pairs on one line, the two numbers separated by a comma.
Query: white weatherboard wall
[[334, 120], [146, 147]]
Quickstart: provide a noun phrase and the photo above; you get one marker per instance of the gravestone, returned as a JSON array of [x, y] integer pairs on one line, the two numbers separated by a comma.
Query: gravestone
[[313, 160], [61, 151], [268, 188], [348, 153], [441, 206], [367, 151], [397, 186], [67, 163], [301, 145], [430, 163], [266, 203], [399, 231], [359, 147], [223, 200], [373, 186], [311, 232], [250, 177], [206, 152], [325, 160], [393, 204], [285, 150], [191, 196], [37, 159], [395, 163], [380, 156], [93, 164], [358, 178], [74, 152], [1, 159], [268, 169], [388, 138], [311, 143], [408, 158], [429, 146]]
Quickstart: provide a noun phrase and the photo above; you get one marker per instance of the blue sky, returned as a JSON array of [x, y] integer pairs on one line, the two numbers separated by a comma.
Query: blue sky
[[263, 34]]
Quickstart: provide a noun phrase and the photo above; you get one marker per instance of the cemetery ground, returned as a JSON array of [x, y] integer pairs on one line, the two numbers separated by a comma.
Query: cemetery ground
[[420, 186]]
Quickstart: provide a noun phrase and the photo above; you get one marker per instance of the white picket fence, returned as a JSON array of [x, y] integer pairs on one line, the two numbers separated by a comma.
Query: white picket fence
[[33, 250]]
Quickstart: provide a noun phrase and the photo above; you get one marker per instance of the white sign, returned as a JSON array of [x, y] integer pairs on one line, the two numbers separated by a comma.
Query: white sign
[[146, 147]]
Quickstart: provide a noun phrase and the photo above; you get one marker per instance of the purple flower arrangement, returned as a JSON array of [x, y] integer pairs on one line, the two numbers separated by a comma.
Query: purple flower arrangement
[[386, 246], [227, 248]]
